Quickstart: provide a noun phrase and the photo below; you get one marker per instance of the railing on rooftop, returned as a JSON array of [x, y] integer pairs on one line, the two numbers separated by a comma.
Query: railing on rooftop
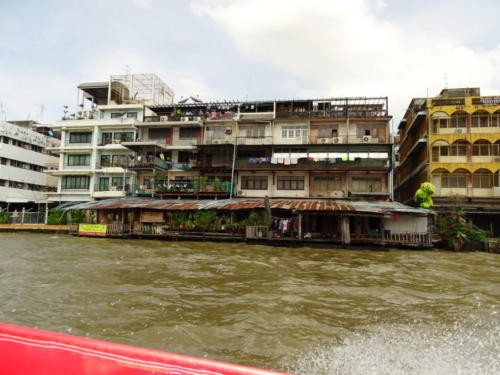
[[174, 118], [350, 113], [113, 187]]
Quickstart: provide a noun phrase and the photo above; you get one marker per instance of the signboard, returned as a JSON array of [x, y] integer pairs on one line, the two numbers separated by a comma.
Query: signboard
[[92, 229], [152, 217], [493, 100]]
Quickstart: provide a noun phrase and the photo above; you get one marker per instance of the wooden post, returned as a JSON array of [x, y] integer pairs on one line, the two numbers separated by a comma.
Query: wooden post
[[346, 235], [300, 226], [267, 205]]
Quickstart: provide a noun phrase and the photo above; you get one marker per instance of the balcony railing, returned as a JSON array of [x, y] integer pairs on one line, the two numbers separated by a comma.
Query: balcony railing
[[264, 140], [304, 163], [195, 186], [351, 139], [112, 187], [147, 163], [332, 114], [174, 118]]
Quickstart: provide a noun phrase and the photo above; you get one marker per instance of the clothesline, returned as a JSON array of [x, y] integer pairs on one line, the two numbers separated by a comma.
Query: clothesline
[[292, 161]]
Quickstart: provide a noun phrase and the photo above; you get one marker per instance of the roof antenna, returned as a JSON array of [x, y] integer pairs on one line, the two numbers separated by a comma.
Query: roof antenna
[[445, 80]]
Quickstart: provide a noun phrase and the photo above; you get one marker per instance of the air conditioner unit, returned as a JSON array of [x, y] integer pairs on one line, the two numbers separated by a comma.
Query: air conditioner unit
[[163, 118], [335, 140], [366, 139], [322, 140], [197, 118], [185, 119], [337, 194]]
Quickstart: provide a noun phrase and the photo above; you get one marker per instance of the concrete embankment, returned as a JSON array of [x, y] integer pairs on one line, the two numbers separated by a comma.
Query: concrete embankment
[[36, 228]]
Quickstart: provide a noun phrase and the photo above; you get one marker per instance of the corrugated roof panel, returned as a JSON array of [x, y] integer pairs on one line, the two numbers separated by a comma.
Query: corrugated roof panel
[[326, 205]]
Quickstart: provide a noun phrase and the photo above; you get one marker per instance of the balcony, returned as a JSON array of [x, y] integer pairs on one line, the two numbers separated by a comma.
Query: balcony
[[335, 114], [348, 139], [145, 162], [254, 141], [111, 190], [174, 119], [307, 164], [196, 187], [259, 116]]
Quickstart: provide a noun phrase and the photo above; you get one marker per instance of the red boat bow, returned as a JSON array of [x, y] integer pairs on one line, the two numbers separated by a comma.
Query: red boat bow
[[32, 351]]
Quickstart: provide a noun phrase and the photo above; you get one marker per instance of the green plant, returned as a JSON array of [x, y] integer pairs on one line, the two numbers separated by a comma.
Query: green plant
[[256, 218], [57, 217], [455, 230], [423, 196], [217, 184], [4, 217], [205, 219], [77, 216], [178, 218]]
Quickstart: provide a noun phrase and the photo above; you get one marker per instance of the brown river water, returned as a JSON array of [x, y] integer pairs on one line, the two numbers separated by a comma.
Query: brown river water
[[305, 311]]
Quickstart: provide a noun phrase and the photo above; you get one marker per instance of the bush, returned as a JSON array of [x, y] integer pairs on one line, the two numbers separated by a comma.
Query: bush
[[455, 230], [4, 217], [57, 217], [256, 218]]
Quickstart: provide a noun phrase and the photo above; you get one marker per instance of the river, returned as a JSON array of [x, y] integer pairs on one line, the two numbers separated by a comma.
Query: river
[[306, 311]]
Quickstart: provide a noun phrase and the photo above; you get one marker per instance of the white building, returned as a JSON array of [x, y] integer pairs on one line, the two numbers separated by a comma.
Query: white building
[[93, 162], [23, 158]]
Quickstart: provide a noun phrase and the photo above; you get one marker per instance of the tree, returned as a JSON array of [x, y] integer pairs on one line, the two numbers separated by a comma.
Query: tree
[[423, 196], [455, 230]]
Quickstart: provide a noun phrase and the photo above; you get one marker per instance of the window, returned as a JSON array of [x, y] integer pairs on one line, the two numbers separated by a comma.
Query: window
[[328, 183], [290, 183], [366, 184], [255, 132], [254, 182], [75, 182], [188, 133], [327, 132], [482, 181], [452, 180], [481, 148], [480, 119], [116, 115], [81, 137], [458, 120], [184, 157], [293, 132], [83, 159], [132, 115]]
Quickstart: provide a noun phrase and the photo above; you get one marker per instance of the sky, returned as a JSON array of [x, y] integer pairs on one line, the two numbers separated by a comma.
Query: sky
[[246, 49]]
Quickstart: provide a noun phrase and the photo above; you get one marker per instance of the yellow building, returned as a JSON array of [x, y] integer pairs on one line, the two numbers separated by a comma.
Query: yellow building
[[453, 141]]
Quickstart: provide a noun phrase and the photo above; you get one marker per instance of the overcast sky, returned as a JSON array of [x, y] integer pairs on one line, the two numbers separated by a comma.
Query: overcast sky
[[246, 49]]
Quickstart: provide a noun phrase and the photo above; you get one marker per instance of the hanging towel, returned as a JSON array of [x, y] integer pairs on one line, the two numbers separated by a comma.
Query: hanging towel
[[274, 160], [344, 158], [316, 159], [287, 161], [294, 161], [281, 160]]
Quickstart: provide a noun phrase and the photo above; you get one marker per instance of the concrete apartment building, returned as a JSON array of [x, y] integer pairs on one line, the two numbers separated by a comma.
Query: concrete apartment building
[[93, 160], [330, 159], [453, 141], [23, 159]]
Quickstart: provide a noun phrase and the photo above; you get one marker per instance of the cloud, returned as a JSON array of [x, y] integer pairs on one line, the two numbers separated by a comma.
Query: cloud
[[343, 48], [144, 3]]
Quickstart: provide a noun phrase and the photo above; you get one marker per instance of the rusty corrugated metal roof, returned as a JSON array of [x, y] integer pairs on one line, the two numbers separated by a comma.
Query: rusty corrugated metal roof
[[330, 205]]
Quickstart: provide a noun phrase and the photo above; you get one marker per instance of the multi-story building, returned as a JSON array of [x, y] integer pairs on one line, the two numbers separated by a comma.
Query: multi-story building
[[94, 163], [23, 158], [453, 141]]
